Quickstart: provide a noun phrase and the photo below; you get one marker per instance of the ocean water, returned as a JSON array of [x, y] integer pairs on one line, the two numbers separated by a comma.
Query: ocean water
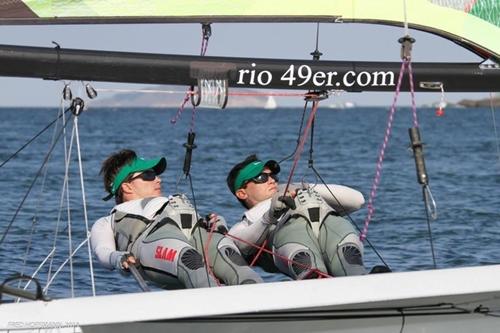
[[460, 152]]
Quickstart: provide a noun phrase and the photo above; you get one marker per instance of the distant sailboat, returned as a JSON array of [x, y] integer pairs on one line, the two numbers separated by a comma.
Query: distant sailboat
[[271, 103]]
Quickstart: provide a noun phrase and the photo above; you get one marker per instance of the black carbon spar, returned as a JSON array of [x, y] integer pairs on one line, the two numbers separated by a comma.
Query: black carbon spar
[[352, 76]]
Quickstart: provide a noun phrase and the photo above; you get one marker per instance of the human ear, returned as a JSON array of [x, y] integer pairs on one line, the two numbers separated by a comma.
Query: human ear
[[241, 194], [126, 188]]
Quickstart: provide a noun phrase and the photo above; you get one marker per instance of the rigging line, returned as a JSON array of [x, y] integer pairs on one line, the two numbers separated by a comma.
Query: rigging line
[[492, 108], [206, 248], [349, 217], [316, 54], [152, 91], [429, 202], [145, 91], [271, 93], [28, 248], [317, 35], [302, 142], [181, 108], [311, 151], [29, 189], [206, 32], [412, 93], [32, 139], [378, 170], [193, 112], [64, 263], [208, 270], [84, 202], [429, 229], [344, 211], [64, 190], [67, 156], [406, 19], [298, 134], [42, 188], [38, 269]]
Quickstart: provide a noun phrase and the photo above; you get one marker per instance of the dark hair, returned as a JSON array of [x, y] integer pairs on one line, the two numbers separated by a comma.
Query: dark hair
[[231, 177], [111, 166]]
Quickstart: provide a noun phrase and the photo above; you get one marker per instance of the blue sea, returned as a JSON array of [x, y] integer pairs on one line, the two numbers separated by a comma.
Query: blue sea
[[460, 151]]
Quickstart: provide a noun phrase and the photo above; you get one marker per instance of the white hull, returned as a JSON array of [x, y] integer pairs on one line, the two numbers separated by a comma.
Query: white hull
[[449, 300], [428, 324]]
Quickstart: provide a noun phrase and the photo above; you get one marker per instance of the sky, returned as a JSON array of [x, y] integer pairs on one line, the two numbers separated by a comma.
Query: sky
[[361, 42]]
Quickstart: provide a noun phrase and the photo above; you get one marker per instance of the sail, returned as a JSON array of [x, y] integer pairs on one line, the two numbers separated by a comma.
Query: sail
[[475, 24]]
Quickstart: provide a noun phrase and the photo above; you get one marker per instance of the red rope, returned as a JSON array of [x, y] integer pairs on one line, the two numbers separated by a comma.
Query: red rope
[[270, 94], [300, 147], [205, 250], [406, 64], [308, 267], [257, 255], [181, 108]]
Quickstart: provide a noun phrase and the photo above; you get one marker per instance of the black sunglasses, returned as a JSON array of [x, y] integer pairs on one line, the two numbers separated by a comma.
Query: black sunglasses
[[263, 178], [147, 175]]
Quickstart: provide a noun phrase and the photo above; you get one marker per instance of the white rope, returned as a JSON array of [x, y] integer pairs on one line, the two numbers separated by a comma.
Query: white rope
[[84, 204], [65, 189], [430, 203], [407, 33], [495, 127], [37, 205], [146, 91], [272, 93], [36, 272], [442, 101], [39, 268], [63, 264], [67, 158]]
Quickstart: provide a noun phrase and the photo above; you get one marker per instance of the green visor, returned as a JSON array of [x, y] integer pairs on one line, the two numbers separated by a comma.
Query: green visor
[[137, 165], [253, 170]]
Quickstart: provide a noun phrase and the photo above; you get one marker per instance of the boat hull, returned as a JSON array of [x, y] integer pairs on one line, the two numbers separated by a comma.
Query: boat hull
[[448, 300]]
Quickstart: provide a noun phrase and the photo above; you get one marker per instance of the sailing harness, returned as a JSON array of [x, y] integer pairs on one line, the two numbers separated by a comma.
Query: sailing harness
[[129, 227]]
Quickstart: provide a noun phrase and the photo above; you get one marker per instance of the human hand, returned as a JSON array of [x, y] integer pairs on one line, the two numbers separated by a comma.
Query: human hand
[[127, 260], [216, 222], [279, 205], [293, 188]]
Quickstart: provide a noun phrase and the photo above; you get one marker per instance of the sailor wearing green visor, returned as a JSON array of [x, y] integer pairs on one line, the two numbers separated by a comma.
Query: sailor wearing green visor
[[163, 235], [308, 230]]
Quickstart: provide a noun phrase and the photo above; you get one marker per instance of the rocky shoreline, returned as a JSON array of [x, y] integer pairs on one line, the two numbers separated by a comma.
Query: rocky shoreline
[[486, 102]]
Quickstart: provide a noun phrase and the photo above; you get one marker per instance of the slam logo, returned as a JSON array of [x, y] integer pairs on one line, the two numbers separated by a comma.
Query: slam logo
[[164, 253]]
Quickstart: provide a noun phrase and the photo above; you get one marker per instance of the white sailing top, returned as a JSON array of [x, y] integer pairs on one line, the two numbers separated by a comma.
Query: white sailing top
[[102, 234], [254, 226]]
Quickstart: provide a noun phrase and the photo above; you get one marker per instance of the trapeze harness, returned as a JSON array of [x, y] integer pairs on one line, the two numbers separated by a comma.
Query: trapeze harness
[[312, 238], [164, 247], [161, 243], [129, 227]]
